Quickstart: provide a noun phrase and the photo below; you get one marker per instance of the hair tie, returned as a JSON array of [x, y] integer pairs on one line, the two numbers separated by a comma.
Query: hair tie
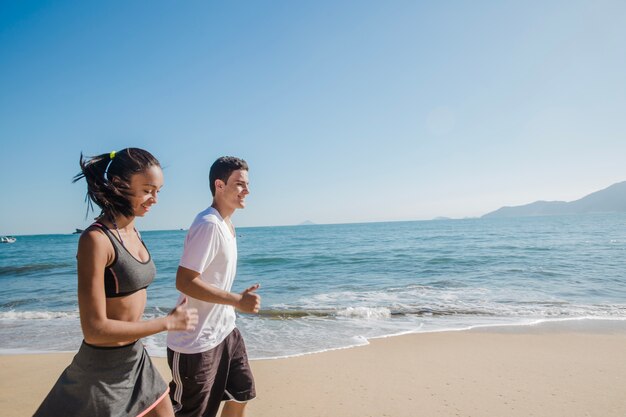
[[106, 170]]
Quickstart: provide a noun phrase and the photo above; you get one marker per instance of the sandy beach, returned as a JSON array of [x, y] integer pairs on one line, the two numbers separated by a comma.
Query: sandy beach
[[568, 370]]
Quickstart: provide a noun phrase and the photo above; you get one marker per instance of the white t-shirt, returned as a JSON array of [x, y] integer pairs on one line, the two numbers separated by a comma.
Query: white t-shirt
[[210, 249]]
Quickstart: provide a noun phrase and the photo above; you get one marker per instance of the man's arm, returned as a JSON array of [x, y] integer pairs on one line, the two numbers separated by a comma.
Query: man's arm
[[189, 283]]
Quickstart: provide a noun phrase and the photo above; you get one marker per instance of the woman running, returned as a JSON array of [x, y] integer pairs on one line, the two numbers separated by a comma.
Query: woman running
[[112, 374]]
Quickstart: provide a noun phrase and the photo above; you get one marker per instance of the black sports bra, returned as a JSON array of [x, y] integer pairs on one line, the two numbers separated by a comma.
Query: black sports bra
[[126, 274]]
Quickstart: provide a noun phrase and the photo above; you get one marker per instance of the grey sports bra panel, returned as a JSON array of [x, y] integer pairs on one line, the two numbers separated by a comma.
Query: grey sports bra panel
[[126, 274]]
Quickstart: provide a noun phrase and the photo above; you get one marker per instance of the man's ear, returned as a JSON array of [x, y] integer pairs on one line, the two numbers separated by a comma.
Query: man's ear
[[219, 184]]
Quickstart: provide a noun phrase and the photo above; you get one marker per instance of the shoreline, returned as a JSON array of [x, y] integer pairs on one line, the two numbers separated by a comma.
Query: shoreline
[[579, 324], [554, 369]]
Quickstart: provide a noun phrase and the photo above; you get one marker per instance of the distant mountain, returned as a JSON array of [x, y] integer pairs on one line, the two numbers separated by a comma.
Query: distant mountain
[[611, 199], [307, 223]]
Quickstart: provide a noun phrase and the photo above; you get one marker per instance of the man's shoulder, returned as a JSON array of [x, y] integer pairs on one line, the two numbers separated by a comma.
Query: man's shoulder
[[207, 222], [206, 217]]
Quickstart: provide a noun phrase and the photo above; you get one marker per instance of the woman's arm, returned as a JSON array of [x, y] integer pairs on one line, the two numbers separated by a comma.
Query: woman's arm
[[95, 252]]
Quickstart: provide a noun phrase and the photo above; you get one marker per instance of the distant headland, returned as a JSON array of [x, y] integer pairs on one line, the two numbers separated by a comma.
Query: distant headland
[[609, 200]]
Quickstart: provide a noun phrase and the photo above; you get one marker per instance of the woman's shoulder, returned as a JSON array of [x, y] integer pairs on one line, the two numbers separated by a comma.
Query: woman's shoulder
[[93, 237]]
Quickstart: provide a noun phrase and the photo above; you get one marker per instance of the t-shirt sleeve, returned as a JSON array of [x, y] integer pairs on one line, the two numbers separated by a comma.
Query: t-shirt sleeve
[[200, 247]]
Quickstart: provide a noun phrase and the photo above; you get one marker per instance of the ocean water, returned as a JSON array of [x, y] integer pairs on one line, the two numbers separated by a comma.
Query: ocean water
[[335, 286]]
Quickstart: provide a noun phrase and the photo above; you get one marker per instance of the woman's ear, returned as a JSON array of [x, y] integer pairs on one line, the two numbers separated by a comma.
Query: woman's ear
[[116, 181]]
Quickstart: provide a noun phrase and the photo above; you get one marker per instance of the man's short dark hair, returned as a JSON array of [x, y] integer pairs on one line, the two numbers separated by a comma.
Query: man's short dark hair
[[223, 167]]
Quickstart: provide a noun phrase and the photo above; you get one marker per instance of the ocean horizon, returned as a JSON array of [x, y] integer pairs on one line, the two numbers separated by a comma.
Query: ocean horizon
[[333, 286]]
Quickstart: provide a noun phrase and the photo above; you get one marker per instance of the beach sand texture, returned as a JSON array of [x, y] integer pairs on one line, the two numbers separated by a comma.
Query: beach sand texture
[[530, 371]]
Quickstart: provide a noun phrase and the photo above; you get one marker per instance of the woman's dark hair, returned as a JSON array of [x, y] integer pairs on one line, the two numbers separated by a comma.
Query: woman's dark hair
[[108, 178], [223, 167]]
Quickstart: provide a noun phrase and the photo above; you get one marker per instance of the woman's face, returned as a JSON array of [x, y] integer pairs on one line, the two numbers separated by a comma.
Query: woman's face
[[144, 187]]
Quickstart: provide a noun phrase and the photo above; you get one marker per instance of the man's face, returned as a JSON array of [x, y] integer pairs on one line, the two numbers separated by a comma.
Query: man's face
[[235, 190]]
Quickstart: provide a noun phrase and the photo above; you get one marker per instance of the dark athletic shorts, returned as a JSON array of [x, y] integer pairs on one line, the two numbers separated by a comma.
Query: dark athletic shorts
[[201, 381]]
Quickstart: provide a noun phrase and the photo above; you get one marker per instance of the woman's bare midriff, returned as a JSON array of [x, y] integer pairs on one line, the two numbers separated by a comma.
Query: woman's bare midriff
[[128, 308]]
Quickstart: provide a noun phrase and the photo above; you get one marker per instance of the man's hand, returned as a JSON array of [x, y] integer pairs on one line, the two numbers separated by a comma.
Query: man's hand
[[250, 301]]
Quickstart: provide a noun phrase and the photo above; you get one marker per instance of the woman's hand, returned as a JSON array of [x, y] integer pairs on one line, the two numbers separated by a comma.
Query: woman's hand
[[182, 318]]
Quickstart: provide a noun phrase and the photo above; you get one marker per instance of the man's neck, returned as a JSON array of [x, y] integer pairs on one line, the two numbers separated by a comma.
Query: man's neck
[[225, 212]]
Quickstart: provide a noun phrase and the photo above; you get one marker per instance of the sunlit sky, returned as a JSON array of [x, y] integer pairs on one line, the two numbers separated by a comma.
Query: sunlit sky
[[346, 111]]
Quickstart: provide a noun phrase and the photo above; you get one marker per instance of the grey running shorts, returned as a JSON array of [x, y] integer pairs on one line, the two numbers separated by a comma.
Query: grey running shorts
[[100, 381]]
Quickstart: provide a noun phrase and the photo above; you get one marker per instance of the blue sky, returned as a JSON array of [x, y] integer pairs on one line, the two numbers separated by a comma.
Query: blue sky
[[346, 111]]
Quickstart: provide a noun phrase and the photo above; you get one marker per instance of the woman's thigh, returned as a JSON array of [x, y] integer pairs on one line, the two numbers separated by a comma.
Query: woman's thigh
[[162, 409]]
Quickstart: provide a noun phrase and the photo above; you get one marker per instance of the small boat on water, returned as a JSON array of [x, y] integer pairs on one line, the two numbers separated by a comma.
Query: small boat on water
[[77, 232], [7, 239]]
